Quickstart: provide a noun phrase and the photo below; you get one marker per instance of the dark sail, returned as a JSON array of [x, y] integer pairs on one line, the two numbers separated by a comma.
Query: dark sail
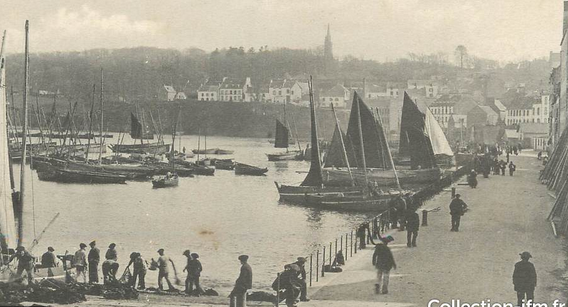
[[281, 137], [375, 146], [335, 157], [314, 177], [414, 142], [135, 127]]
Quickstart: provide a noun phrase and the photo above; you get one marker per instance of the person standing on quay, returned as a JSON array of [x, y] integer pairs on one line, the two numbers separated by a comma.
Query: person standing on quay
[[524, 279], [139, 272], [80, 262], [301, 263], [383, 260], [412, 226], [193, 269], [25, 263], [111, 253], [48, 260], [164, 271], [512, 168], [243, 283], [457, 209], [94, 259]]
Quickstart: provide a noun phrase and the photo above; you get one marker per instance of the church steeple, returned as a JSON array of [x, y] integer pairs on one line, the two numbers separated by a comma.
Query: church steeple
[[328, 51]]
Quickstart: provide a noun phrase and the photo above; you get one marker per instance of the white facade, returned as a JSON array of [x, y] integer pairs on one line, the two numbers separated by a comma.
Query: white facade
[[537, 113], [432, 88]]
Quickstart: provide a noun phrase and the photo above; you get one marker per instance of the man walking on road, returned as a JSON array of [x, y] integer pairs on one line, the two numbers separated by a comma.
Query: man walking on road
[[524, 279], [412, 226], [512, 168], [383, 260], [243, 283], [457, 209]]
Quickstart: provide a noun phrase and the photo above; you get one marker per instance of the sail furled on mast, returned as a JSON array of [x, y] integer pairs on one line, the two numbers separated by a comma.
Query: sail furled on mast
[[314, 177], [8, 231], [135, 127], [375, 145], [414, 140], [281, 137]]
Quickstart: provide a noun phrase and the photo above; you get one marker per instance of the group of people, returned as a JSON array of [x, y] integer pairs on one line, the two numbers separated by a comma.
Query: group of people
[[293, 282], [83, 262]]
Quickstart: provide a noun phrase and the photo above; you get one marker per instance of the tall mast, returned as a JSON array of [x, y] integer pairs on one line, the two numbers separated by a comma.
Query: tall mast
[[343, 145], [90, 123], [24, 131], [380, 120], [361, 140], [101, 139]]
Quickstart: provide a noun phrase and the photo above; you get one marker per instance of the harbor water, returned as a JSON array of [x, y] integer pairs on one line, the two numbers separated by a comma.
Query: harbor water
[[219, 217]]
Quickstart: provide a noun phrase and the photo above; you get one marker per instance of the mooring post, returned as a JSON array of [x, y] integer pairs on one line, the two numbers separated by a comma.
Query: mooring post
[[424, 217], [317, 265], [311, 267], [453, 192], [323, 263]]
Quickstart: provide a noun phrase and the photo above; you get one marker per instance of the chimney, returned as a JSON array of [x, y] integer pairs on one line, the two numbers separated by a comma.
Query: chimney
[[565, 19]]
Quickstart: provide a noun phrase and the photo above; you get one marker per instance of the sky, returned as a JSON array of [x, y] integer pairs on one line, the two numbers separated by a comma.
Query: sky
[[504, 30]]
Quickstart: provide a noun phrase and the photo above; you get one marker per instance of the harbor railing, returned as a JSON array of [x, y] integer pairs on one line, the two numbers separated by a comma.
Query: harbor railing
[[325, 258]]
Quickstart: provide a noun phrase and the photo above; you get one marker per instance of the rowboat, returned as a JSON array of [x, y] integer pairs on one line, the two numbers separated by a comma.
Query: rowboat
[[170, 180], [245, 169]]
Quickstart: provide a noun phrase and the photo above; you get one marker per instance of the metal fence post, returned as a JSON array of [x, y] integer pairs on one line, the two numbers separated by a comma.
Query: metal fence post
[[356, 239], [311, 267], [340, 245], [323, 263], [330, 247], [317, 265], [335, 253], [278, 291], [351, 245]]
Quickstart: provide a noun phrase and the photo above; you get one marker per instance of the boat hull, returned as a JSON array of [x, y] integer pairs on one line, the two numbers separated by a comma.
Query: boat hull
[[76, 176], [152, 148], [243, 169], [382, 177], [284, 156], [165, 182]]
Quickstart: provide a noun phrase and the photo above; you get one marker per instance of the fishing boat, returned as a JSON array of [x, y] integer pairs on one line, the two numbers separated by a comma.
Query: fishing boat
[[314, 192], [414, 143], [137, 133], [209, 151], [12, 204], [224, 152], [224, 164], [281, 140], [63, 175], [169, 180], [245, 169]]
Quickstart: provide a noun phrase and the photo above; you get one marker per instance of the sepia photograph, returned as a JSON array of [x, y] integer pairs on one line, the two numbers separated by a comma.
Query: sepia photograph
[[324, 153]]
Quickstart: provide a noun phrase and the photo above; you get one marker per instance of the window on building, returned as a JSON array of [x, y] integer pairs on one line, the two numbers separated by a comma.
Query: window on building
[[336, 99], [280, 92], [288, 91]]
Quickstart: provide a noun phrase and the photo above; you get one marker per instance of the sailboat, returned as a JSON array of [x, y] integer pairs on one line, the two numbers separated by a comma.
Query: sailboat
[[170, 179], [378, 168], [282, 140], [137, 131], [314, 192], [12, 221]]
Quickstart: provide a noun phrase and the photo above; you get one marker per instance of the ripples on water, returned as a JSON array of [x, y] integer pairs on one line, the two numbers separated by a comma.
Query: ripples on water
[[218, 217]]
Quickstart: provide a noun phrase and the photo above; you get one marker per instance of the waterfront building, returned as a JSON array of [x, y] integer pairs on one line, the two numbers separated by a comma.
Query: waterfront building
[[167, 93], [234, 89], [432, 87], [529, 109], [209, 91], [337, 95]]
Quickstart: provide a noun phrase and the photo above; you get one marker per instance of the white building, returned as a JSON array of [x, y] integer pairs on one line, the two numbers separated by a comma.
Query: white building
[[167, 93], [432, 88], [234, 90], [337, 95], [529, 110], [209, 91], [280, 90]]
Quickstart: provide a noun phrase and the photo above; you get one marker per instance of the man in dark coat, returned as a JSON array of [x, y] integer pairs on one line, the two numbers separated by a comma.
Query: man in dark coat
[[412, 226], [48, 260], [524, 279], [512, 168], [25, 263], [94, 258], [111, 253], [302, 279], [383, 260], [243, 283], [457, 209]]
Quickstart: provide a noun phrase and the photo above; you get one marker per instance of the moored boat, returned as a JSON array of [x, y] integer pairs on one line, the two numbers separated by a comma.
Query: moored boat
[[245, 169], [284, 156], [169, 180], [224, 164]]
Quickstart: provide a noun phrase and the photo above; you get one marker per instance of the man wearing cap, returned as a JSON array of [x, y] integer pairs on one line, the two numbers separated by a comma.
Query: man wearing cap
[[302, 279], [524, 279], [457, 209], [94, 259], [140, 268], [193, 269], [48, 259], [111, 253], [243, 283], [25, 263], [164, 271], [412, 226], [383, 260], [80, 262]]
